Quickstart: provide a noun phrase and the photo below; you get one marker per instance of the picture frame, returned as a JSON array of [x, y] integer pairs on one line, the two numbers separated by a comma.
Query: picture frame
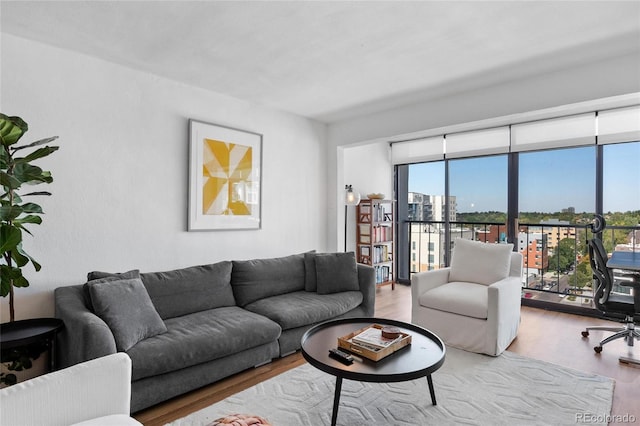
[[225, 178]]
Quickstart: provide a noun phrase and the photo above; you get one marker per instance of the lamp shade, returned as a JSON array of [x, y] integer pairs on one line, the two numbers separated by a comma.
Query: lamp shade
[[351, 197]]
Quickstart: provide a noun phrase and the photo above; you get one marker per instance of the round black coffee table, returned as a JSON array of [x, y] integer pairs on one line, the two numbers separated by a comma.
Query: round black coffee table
[[422, 357]]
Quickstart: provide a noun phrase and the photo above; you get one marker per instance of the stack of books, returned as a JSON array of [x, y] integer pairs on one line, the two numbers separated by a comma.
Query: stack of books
[[372, 339]]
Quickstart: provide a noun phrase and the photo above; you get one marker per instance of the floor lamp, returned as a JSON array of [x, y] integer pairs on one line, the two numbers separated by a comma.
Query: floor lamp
[[351, 198]]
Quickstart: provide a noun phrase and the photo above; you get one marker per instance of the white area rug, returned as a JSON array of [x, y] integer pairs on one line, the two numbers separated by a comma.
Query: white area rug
[[470, 389]]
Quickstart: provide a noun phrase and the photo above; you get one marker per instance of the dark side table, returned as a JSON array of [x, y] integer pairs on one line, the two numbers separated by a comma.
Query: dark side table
[[25, 332]]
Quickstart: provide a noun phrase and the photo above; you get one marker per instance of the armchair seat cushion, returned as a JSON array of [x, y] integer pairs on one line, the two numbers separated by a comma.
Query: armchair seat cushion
[[461, 298]]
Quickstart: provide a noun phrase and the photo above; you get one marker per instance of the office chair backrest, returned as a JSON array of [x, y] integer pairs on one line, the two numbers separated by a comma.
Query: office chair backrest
[[602, 275]]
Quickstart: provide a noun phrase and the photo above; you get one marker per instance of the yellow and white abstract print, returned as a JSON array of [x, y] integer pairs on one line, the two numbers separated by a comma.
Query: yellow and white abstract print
[[229, 184]]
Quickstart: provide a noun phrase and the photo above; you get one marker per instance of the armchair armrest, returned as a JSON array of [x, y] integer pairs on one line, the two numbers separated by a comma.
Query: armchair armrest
[[85, 335], [422, 282], [100, 388], [504, 309]]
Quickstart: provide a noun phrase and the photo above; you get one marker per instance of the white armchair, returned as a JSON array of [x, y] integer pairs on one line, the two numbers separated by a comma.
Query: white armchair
[[96, 392], [475, 303]]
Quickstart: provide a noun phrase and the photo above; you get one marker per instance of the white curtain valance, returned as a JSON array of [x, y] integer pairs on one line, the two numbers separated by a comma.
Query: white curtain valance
[[479, 142], [613, 125], [619, 125], [554, 133], [417, 151]]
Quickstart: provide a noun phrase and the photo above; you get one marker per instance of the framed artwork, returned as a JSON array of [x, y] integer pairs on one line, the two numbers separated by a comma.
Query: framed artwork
[[224, 178]]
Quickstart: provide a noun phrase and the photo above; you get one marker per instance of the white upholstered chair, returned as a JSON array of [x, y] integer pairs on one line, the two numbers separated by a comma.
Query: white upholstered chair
[[93, 393], [475, 303]]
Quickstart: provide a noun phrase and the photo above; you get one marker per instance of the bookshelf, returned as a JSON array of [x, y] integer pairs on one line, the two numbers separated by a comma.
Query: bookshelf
[[375, 238]]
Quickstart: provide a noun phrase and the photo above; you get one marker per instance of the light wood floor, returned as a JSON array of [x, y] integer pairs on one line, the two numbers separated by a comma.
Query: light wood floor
[[545, 335]]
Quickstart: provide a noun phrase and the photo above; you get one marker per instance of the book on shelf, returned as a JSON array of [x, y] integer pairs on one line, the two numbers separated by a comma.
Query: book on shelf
[[382, 273], [372, 337]]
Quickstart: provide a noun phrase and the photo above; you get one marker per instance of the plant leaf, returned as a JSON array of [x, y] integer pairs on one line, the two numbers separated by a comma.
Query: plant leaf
[[8, 181], [11, 129], [27, 173], [26, 257], [9, 213], [9, 276], [36, 193], [28, 219], [38, 153], [10, 237], [37, 143], [31, 208]]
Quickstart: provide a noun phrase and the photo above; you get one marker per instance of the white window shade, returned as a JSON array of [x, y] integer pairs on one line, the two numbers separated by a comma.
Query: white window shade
[[562, 132], [417, 151], [619, 125], [480, 142]]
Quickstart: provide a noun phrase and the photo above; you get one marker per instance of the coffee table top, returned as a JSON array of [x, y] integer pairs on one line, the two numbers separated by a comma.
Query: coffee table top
[[423, 356]]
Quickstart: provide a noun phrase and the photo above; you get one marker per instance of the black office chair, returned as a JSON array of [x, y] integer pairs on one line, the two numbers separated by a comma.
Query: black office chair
[[616, 306]]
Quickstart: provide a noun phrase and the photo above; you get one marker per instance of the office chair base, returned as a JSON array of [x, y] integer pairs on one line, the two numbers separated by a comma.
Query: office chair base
[[628, 332], [630, 361]]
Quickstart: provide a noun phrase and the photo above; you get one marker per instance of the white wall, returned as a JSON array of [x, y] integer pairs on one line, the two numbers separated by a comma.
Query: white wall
[[368, 169], [121, 175]]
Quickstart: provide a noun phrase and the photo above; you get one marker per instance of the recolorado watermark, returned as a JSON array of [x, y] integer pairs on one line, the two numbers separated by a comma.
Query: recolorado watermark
[[605, 418]]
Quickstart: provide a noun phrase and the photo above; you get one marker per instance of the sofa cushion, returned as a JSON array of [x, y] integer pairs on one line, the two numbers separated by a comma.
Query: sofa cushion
[[99, 275], [106, 276], [336, 272], [201, 337], [256, 279], [478, 262], [302, 308], [461, 298], [188, 290], [310, 282], [125, 306]]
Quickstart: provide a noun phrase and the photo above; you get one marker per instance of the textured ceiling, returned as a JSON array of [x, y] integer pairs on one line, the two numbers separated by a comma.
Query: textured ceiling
[[334, 60]]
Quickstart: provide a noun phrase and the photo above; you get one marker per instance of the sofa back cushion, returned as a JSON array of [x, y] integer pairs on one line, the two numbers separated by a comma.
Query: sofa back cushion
[[336, 272], [257, 279], [188, 290]]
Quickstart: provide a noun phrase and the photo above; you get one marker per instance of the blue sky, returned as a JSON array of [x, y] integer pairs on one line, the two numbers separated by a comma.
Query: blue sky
[[549, 180]]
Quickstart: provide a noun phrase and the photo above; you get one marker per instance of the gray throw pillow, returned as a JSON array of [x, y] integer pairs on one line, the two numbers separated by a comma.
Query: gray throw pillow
[[336, 272], [105, 276], [125, 306]]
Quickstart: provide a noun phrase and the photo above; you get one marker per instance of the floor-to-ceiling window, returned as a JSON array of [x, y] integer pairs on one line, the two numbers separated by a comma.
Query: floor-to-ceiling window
[[478, 190], [557, 192], [540, 198], [426, 208]]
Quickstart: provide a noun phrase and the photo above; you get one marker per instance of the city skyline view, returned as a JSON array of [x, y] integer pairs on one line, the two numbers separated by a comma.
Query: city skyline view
[[549, 181]]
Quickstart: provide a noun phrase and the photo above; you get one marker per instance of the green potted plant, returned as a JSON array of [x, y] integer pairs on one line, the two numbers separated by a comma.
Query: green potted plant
[[16, 214]]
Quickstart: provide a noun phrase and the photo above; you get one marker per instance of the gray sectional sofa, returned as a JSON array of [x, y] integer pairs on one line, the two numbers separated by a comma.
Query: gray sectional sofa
[[190, 327]]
